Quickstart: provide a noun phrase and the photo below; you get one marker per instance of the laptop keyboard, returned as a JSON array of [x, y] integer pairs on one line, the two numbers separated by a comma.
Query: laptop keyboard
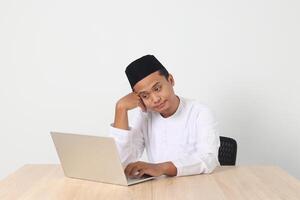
[[136, 179]]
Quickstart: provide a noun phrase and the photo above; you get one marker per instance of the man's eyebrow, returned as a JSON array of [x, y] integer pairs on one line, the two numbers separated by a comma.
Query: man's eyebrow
[[151, 87]]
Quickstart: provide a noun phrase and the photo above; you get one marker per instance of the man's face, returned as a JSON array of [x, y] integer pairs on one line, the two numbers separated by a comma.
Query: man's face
[[156, 92]]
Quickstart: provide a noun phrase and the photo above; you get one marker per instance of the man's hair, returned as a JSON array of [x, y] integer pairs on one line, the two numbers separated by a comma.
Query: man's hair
[[164, 73]]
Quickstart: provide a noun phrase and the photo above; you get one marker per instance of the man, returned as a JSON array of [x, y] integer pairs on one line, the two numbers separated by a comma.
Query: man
[[179, 134]]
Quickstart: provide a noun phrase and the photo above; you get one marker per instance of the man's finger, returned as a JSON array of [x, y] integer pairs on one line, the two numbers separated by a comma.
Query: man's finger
[[141, 173], [134, 171], [128, 168], [142, 105]]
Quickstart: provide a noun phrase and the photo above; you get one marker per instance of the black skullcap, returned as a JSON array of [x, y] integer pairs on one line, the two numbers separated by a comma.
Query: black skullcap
[[142, 67]]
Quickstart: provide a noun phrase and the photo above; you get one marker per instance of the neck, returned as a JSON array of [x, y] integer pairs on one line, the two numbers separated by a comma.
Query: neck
[[174, 106]]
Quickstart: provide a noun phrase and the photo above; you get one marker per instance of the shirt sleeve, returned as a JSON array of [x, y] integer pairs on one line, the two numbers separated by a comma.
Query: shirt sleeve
[[130, 143], [204, 157]]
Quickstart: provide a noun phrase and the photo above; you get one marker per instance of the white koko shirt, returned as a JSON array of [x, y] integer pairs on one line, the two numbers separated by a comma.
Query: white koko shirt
[[189, 138]]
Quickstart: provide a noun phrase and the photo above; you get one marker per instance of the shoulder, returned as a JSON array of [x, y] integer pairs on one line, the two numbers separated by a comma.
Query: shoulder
[[197, 109]]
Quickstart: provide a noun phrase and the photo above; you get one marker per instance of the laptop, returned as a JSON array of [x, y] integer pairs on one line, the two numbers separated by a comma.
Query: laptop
[[91, 158]]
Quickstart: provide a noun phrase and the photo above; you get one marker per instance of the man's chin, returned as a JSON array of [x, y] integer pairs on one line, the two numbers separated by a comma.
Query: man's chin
[[161, 111]]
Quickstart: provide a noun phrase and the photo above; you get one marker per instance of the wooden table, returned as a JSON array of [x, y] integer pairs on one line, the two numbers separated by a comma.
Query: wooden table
[[232, 183]]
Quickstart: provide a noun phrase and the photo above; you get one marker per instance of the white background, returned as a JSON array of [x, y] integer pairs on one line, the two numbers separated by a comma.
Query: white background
[[62, 68]]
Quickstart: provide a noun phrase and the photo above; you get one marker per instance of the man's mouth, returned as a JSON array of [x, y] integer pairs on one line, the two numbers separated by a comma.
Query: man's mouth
[[160, 105]]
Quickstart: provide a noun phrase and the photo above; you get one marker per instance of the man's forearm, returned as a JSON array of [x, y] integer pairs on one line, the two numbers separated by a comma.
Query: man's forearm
[[121, 118]]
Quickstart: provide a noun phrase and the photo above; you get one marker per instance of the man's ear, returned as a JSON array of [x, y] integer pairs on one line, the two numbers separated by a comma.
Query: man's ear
[[171, 80]]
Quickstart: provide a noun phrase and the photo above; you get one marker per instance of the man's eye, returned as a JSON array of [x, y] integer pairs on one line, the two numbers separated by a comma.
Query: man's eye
[[144, 96], [157, 88]]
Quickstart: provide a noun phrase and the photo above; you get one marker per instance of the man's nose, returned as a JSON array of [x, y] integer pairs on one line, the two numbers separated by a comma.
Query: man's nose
[[155, 98]]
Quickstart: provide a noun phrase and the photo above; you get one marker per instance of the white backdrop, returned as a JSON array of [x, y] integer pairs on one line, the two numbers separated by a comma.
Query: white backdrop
[[62, 68]]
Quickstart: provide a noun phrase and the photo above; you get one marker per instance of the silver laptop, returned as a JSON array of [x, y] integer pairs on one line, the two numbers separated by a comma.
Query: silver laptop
[[91, 158]]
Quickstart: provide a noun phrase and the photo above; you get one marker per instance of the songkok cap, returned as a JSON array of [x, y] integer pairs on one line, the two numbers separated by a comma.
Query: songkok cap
[[142, 67]]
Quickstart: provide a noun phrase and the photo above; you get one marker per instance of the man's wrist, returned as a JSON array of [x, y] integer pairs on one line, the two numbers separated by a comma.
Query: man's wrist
[[121, 108], [168, 168]]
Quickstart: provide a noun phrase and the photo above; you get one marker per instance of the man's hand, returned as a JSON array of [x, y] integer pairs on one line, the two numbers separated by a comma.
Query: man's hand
[[138, 169], [131, 101], [128, 102]]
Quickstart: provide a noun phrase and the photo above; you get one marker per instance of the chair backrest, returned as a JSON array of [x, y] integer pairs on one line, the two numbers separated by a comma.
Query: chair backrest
[[227, 151]]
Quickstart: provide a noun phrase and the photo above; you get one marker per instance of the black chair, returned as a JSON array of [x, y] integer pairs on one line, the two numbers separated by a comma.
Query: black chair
[[227, 151]]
